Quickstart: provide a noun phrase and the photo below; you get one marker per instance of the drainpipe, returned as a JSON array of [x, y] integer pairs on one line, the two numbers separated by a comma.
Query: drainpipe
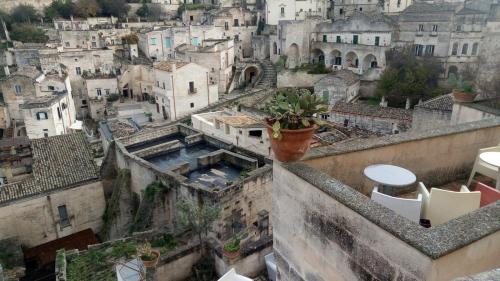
[[208, 90], [173, 96], [51, 212]]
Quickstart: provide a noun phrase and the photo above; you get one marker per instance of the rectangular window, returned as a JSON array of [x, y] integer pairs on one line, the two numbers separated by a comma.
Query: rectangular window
[[338, 39], [420, 27], [326, 96], [236, 22], [50, 88], [191, 87], [59, 113], [168, 42], [107, 92], [282, 11], [355, 39], [435, 28], [45, 133], [163, 85], [325, 38], [78, 71], [63, 216], [66, 44], [152, 41], [341, 11], [399, 3], [377, 40], [474, 49], [429, 50], [18, 89], [255, 133], [94, 45], [228, 130], [191, 105], [99, 93], [226, 25], [419, 50]]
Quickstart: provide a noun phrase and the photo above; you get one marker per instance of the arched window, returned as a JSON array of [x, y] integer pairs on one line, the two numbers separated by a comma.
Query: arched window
[[454, 50], [42, 116], [465, 47], [474, 48]]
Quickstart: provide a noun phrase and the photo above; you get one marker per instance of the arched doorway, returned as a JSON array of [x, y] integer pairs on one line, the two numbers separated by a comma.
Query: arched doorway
[[370, 61], [317, 56], [351, 60], [336, 57], [250, 74], [452, 70], [293, 56]]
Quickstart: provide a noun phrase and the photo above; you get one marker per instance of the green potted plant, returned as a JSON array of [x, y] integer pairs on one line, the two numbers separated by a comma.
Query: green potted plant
[[148, 256], [232, 249], [292, 122], [463, 91]]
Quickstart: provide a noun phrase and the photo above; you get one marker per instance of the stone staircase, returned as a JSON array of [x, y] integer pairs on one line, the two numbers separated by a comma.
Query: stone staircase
[[269, 75]]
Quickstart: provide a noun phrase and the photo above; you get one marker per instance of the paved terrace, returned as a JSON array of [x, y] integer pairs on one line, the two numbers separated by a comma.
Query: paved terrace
[[333, 222]]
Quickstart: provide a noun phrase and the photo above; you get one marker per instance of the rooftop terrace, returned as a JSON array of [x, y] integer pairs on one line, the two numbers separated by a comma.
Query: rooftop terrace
[[355, 237]]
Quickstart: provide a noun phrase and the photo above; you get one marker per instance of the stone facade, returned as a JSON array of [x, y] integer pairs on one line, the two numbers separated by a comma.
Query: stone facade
[[240, 130], [283, 10], [182, 88], [338, 86], [55, 200]]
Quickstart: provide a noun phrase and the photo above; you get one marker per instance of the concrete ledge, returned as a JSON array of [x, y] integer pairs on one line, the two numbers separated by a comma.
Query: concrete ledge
[[434, 242], [362, 144]]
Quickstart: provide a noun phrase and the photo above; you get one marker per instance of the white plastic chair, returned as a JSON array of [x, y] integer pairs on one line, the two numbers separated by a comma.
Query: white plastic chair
[[482, 167], [408, 208], [440, 206]]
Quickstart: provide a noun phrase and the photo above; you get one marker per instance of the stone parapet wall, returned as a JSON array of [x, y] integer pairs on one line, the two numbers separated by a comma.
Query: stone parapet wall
[[158, 149]]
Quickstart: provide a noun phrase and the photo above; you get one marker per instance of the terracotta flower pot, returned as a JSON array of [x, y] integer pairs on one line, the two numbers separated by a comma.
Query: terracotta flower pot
[[231, 255], [152, 263], [293, 143], [463, 97]]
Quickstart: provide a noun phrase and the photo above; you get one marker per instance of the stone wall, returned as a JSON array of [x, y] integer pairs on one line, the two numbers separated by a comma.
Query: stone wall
[[161, 148], [249, 266], [334, 233], [37, 221], [425, 119], [435, 156], [297, 79], [177, 265]]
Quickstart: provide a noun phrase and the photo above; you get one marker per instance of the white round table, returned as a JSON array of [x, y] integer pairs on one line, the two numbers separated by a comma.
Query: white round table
[[492, 158], [389, 176]]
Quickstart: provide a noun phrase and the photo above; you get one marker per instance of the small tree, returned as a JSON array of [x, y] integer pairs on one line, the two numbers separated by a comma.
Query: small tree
[[28, 33], [87, 8], [24, 13], [197, 218], [59, 8], [117, 8], [143, 11]]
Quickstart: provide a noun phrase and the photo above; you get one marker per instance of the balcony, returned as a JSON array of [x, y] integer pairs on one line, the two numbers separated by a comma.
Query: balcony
[[434, 33], [419, 33]]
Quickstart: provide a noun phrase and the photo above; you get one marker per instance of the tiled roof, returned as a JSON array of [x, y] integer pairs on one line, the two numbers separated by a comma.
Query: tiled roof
[[58, 162], [373, 111], [167, 65], [444, 103]]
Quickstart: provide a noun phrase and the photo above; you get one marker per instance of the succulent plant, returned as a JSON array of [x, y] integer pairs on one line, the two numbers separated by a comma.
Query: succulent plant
[[294, 109], [460, 85]]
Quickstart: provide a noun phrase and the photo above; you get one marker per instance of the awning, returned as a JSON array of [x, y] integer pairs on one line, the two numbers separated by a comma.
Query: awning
[[77, 125]]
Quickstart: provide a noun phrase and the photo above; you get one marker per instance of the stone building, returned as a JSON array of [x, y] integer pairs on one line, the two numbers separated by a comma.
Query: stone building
[[343, 9], [216, 55], [84, 24], [284, 10], [198, 168], [92, 39], [384, 120], [325, 227], [17, 88], [357, 44], [241, 130], [182, 88], [339, 86], [433, 113], [60, 194]]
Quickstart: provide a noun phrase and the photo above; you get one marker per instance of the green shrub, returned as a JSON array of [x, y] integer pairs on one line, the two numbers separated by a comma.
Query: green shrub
[[113, 97], [232, 246]]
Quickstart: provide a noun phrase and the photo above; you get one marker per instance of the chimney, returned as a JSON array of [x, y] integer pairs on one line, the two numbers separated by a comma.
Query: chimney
[[383, 102]]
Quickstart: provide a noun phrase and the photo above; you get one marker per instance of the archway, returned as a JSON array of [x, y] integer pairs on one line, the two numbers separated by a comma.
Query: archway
[[452, 69], [351, 60], [293, 56], [370, 61], [336, 57], [250, 74], [317, 56]]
